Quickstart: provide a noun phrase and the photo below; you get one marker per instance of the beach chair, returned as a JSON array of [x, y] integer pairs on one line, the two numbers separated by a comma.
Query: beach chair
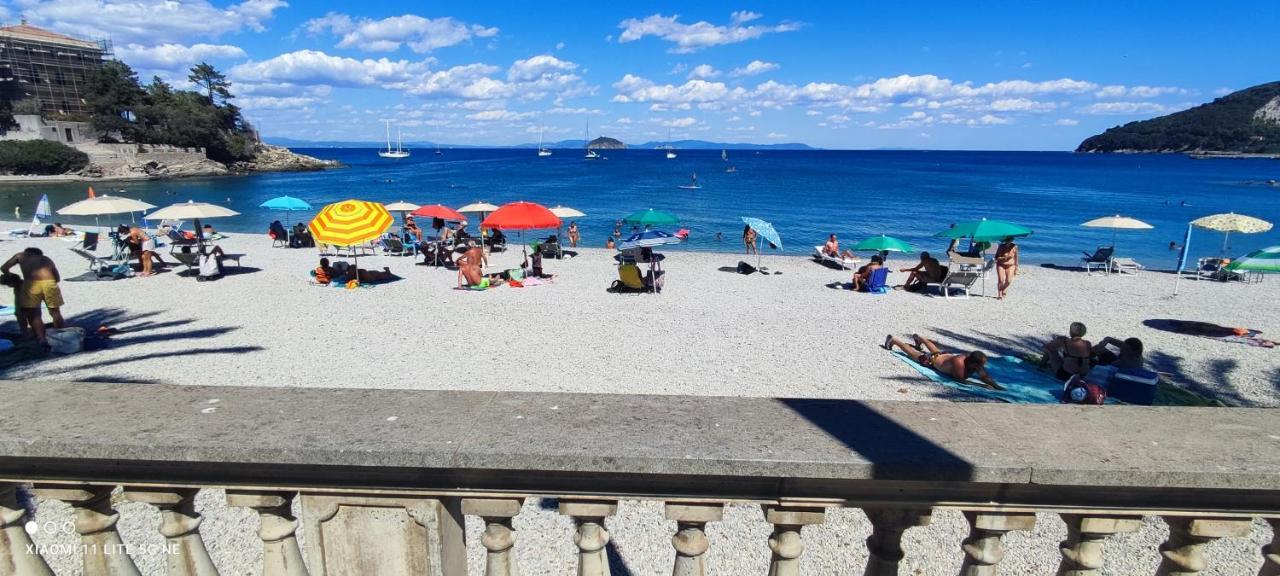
[[1129, 265], [878, 283], [551, 247], [1100, 259], [842, 263], [956, 279], [393, 246], [631, 279]]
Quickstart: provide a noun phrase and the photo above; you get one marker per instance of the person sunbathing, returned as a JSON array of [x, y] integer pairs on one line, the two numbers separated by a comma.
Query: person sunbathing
[[832, 249], [1129, 356], [1069, 355], [926, 271], [958, 366], [324, 273], [60, 231], [863, 275], [376, 276]]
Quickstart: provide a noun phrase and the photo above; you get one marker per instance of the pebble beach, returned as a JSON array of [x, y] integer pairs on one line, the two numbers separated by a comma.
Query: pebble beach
[[710, 332]]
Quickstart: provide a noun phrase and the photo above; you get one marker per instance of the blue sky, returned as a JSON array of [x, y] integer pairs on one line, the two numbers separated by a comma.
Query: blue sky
[[941, 75]]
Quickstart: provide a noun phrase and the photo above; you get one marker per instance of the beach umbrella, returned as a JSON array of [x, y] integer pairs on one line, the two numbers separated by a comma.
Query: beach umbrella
[[648, 239], [1264, 260], [42, 207], [651, 218], [521, 216], [439, 211], [194, 211], [98, 205], [1117, 223], [287, 204], [348, 223], [566, 212], [883, 243], [402, 206], [482, 208], [764, 233], [984, 230], [1231, 222]]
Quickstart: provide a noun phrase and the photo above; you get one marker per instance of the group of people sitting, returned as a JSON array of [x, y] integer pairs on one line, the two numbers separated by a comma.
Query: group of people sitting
[[471, 274], [1072, 355], [297, 237]]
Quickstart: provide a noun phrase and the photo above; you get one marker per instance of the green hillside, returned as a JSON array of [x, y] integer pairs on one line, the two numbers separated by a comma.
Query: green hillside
[[1247, 121]]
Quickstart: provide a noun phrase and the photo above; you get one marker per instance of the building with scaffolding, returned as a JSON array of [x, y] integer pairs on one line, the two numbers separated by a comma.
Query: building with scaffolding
[[48, 68]]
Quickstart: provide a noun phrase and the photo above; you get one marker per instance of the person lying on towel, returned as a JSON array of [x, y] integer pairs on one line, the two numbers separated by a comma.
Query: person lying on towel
[[958, 366]]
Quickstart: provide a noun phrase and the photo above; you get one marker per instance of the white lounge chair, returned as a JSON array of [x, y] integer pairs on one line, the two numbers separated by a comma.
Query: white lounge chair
[[960, 276], [1126, 265], [839, 262]]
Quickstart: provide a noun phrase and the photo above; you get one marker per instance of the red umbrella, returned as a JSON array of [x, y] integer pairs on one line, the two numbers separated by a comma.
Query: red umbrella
[[521, 216], [441, 212]]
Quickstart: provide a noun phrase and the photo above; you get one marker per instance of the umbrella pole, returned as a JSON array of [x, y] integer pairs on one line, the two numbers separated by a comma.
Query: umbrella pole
[[1225, 238]]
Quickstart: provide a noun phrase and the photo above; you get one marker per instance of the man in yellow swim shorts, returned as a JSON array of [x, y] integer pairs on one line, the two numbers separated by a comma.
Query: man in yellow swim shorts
[[39, 285]]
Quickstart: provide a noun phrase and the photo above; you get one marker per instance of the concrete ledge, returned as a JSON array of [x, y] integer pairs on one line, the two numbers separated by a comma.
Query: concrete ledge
[[464, 440]]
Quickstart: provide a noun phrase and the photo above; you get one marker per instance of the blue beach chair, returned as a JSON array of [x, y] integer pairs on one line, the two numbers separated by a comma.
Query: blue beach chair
[[878, 283]]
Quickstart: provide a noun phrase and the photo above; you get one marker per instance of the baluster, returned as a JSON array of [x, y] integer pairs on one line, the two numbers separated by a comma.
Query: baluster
[[884, 545], [591, 537], [499, 538], [1271, 552], [180, 525], [690, 540], [17, 551], [1082, 550], [982, 549], [281, 555], [102, 551], [786, 544], [1183, 552]]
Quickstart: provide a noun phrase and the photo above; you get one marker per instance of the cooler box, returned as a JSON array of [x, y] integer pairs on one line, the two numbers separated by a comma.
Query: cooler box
[[1135, 386]]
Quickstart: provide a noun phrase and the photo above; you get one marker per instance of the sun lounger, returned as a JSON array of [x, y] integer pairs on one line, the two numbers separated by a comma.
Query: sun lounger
[[632, 279], [839, 262], [551, 248], [956, 279], [393, 246], [1126, 265], [1100, 259]]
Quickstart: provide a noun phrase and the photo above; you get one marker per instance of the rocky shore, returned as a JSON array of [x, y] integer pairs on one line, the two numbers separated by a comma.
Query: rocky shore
[[111, 162]]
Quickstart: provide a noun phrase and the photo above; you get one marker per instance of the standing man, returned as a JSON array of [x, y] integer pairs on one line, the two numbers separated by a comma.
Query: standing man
[[39, 285]]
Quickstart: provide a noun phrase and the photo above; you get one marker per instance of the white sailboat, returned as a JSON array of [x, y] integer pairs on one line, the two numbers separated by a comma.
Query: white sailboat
[[724, 155], [671, 152], [399, 152], [542, 152], [591, 154]]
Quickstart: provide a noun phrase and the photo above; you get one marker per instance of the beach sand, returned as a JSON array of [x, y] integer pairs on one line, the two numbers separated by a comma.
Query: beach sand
[[711, 332]]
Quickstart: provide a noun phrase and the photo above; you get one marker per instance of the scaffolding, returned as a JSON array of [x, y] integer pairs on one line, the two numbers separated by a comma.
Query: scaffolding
[[48, 68]]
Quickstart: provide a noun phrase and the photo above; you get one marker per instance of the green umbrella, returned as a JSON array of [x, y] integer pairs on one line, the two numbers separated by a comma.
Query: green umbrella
[[883, 243], [1264, 260], [984, 230], [651, 217]]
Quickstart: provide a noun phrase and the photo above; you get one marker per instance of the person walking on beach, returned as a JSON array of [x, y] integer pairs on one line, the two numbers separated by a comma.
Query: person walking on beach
[[749, 239], [958, 366], [1006, 265], [39, 285], [574, 236]]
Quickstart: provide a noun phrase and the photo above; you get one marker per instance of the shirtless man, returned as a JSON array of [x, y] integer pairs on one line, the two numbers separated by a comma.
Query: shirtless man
[[958, 366], [1069, 355], [39, 285], [863, 275], [928, 270], [832, 249]]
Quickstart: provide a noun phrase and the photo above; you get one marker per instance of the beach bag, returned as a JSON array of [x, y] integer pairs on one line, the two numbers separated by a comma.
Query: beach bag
[[210, 268], [744, 268], [67, 340], [120, 271], [1079, 391]]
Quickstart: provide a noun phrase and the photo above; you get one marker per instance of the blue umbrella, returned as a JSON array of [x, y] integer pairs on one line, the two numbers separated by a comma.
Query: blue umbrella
[[287, 204], [764, 231], [648, 239], [42, 208]]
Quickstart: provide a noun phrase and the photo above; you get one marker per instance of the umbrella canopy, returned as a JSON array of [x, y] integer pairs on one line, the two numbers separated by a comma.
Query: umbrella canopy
[[402, 206], [521, 216], [883, 243], [190, 210], [1264, 260], [439, 211], [984, 230], [350, 222], [104, 204], [482, 207], [764, 230], [566, 212], [648, 239], [1232, 222], [288, 203], [651, 217], [42, 207], [1117, 222]]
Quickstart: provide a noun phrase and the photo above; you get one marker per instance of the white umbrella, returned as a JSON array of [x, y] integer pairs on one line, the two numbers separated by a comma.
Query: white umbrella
[[402, 206], [566, 212], [1116, 223], [104, 204], [1231, 222], [193, 211], [483, 208]]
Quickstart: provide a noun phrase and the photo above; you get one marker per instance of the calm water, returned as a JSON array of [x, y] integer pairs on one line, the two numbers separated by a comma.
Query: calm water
[[806, 194]]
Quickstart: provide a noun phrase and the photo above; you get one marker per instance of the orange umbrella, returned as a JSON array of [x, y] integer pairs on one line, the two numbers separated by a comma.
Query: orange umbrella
[[521, 216], [350, 222]]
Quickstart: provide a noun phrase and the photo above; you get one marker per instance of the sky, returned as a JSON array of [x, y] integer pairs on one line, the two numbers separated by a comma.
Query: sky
[[853, 75]]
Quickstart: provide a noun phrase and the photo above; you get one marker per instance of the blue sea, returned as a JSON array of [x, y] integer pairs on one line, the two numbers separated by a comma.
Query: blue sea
[[805, 194]]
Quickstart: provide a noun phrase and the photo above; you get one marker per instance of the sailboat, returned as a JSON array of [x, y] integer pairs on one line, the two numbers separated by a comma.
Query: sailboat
[[399, 152], [671, 152], [438, 152], [591, 154], [542, 152], [724, 155]]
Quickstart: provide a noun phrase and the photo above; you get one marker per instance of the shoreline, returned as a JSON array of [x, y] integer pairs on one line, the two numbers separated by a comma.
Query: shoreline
[[268, 159]]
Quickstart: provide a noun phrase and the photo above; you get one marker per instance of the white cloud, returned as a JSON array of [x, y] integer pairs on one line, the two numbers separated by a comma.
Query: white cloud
[[255, 103], [989, 120], [776, 135], [754, 67], [579, 112], [314, 67], [680, 122], [702, 34], [543, 65], [493, 115], [1116, 91], [1107, 108], [703, 71], [633, 88], [175, 57], [1021, 105], [470, 82], [388, 34], [559, 45], [149, 21], [1067, 122]]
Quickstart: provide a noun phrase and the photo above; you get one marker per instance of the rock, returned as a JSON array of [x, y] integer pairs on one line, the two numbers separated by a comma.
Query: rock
[[280, 159]]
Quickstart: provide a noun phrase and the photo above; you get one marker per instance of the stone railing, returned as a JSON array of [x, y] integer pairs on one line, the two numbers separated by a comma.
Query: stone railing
[[383, 480]]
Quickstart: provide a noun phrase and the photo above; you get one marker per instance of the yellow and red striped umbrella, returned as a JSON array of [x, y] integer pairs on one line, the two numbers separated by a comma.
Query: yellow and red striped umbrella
[[350, 222]]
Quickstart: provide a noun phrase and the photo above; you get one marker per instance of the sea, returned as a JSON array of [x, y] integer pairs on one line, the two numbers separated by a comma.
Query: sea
[[806, 195]]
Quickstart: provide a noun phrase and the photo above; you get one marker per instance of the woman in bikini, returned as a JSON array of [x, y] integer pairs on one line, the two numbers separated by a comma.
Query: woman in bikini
[[958, 366], [749, 239], [1006, 265], [1070, 355]]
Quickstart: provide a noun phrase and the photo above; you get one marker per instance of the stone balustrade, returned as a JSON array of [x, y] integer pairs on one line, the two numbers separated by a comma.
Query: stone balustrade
[[381, 481]]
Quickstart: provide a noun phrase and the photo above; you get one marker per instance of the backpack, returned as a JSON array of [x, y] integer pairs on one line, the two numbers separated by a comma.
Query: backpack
[[1078, 391], [210, 268]]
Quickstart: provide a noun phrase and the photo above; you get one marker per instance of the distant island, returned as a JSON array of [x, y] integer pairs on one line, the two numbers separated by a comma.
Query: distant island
[[1242, 123], [606, 143]]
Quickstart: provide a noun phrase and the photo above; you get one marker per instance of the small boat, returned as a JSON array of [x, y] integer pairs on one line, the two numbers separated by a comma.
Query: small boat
[[731, 170], [439, 153], [399, 152], [591, 154], [671, 151], [542, 152], [692, 185], [724, 155]]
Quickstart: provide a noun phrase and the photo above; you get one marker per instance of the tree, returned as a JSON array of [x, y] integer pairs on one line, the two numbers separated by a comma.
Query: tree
[[113, 96], [212, 81], [8, 93]]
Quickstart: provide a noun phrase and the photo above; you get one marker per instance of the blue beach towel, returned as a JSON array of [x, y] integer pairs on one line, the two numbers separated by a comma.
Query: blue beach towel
[[1024, 383]]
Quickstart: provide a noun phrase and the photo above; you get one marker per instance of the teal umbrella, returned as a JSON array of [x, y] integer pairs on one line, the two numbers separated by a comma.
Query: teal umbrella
[[287, 204], [764, 233], [883, 243], [651, 217], [1264, 260], [984, 230]]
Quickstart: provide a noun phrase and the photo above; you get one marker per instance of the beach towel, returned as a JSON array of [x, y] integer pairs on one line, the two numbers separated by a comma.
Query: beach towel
[[8, 311], [1246, 336], [1024, 383]]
